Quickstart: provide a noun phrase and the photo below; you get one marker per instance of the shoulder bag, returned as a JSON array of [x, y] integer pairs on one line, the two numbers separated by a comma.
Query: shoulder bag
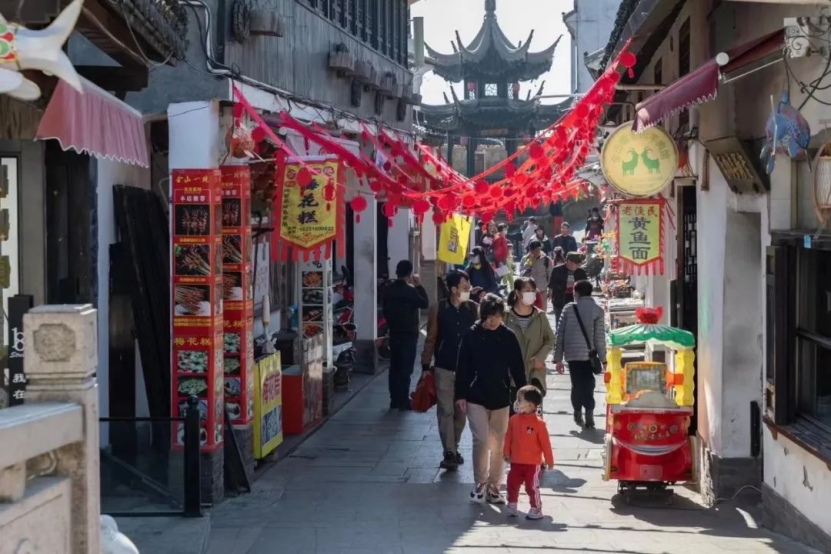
[[594, 357]]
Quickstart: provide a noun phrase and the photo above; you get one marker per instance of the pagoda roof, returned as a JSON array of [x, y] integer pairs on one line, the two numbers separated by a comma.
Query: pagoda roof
[[491, 55], [475, 116]]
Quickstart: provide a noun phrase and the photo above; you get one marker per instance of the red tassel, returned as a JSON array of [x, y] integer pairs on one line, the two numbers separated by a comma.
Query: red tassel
[[305, 255], [357, 218], [389, 222], [631, 73]]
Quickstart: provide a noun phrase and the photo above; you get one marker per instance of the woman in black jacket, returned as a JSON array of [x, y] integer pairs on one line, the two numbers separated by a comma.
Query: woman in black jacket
[[489, 355]]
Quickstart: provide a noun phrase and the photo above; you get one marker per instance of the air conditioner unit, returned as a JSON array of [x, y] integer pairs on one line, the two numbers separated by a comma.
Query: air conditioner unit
[[804, 36]]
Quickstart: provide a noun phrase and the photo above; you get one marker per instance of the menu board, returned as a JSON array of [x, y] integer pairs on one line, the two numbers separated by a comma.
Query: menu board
[[316, 303], [197, 301], [238, 294], [268, 419]]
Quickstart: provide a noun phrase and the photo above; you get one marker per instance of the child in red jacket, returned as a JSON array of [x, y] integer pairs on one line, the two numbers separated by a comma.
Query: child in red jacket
[[526, 443]]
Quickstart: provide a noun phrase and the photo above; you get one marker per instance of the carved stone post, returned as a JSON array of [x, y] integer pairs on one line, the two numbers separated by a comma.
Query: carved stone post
[[61, 359]]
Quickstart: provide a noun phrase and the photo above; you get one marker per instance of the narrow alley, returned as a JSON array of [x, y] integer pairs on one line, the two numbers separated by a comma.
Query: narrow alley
[[369, 481]]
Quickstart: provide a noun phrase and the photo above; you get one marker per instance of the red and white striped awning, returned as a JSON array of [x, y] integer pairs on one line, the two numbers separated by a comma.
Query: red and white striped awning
[[701, 85], [95, 123]]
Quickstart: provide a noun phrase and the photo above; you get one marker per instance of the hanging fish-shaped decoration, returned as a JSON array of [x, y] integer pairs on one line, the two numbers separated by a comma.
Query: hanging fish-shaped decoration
[[22, 48], [787, 132]]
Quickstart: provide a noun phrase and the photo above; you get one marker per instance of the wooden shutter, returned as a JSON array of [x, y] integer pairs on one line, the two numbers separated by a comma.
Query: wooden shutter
[[779, 331]]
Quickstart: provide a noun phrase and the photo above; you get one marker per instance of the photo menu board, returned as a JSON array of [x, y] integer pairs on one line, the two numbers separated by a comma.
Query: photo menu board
[[316, 303], [197, 301], [237, 294]]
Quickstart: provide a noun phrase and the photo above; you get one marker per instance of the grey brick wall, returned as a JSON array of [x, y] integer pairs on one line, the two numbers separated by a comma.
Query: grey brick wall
[[781, 516], [724, 477]]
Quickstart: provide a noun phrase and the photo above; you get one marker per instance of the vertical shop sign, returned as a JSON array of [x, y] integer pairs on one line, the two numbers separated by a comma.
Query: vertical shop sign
[[311, 216], [18, 306], [268, 419], [640, 235], [197, 301], [237, 294], [316, 303]]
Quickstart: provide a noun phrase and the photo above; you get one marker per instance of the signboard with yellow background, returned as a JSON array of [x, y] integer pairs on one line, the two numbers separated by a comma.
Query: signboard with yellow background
[[454, 239], [268, 405], [307, 218], [639, 165], [640, 235]]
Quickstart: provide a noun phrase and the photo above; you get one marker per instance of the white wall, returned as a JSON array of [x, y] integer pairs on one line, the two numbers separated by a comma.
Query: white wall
[[111, 173], [799, 477], [593, 22]]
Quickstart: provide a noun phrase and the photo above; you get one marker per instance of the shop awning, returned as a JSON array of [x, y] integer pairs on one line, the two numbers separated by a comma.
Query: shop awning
[[702, 84], [94, 123]]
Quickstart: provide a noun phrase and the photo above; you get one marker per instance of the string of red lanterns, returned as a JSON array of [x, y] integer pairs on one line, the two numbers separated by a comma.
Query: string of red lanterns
[[424, 180]]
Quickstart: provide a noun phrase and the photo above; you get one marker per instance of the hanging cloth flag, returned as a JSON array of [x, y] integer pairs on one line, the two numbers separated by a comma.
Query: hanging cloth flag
[[640, 232], [310, 206], [454, 239]]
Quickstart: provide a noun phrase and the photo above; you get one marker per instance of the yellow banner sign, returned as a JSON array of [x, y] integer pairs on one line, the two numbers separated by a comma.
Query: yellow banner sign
[[639, 165], [640, 234], [268, 405], [307, 218], [454, 239]]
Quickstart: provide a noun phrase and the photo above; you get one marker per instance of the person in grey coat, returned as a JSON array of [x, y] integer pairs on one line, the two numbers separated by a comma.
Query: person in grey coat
[[571, 346]]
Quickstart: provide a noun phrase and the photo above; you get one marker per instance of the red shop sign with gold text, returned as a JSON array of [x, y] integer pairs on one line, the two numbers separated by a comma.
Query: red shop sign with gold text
[[640, 232], [311, 217]]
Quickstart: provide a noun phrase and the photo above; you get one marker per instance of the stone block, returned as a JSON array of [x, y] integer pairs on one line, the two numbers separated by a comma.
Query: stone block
[[725, 477], [12, 483], [61, 342], [213, 476], [40, 520], [245, 441], [781, 516]]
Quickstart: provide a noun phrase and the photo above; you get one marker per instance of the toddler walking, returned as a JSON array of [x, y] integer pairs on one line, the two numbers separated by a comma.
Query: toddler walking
[[526, 443]]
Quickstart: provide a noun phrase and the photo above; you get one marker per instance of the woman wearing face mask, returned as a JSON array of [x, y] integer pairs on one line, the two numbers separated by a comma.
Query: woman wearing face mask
[[532, 329], [482, 276]]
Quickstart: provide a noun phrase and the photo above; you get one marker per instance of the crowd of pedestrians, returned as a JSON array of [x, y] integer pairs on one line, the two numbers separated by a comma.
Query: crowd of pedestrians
[[488, 356]]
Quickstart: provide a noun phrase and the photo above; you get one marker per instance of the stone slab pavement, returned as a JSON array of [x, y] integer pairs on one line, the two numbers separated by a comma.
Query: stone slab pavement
[[369, 481]]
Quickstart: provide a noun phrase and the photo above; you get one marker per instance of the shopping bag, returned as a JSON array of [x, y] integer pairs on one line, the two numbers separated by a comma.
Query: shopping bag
[[425, 396]]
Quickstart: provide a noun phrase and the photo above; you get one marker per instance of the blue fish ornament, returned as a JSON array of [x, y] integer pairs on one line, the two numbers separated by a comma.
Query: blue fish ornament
[[787, 132]]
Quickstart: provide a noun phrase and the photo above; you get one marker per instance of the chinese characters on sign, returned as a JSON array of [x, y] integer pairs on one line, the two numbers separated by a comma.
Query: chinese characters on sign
[[640, 231], [268, 405], [735, 165], [454, 238], [311, 216]]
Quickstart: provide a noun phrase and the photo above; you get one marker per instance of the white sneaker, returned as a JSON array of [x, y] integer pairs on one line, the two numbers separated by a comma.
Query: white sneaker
[[534, 514], [477, 495], [495, 497], [512, 511]]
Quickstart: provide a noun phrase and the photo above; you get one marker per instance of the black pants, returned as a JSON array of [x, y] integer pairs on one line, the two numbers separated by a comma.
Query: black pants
[[582, 385], [402, 362]]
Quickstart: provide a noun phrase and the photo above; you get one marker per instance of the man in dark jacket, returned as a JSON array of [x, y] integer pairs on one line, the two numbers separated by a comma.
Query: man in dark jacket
[[561, 283], [489, 356], [402, 301], [446, 323], [565, 240]]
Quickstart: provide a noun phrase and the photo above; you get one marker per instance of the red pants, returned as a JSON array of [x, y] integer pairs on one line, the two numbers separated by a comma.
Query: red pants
[[530, 475], [541, 302]]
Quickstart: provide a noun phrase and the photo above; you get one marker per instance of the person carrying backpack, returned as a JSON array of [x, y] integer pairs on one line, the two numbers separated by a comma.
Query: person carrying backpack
[[447, 322], [537, 265]]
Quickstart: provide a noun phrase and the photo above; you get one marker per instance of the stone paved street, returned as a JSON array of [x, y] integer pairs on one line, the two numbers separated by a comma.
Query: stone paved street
[[369, 481]]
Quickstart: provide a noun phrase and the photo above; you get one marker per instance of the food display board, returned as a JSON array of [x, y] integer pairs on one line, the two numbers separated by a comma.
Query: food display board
[[268, 405], [316, 303], [197, 301], [238, 294], [312, 362]]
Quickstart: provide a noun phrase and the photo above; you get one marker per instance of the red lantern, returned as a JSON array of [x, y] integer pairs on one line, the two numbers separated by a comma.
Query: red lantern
[[258, 135], [359, 204], [438, 218], [487, 217], [628, 60], [468, 201], [329, 192], [421, 207], [304, 177], [481, 187], [496, 192], [536, 151]]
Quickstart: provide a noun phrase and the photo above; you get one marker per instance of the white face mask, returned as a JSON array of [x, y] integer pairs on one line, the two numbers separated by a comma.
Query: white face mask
[[464, 295], [474, 260], [516, 406], [528, 298]]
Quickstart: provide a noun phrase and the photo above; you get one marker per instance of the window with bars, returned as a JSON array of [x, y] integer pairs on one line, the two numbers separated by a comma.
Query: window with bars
[[382, 24], [491, 90]]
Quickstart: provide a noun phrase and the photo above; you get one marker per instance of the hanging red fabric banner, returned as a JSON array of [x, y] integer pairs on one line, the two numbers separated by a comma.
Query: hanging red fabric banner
[[640, 235]]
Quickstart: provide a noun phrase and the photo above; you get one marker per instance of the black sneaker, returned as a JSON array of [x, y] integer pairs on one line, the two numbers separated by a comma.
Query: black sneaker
[[578, 418], [590, 421], [406, 407], [459, 460], [449, 461]]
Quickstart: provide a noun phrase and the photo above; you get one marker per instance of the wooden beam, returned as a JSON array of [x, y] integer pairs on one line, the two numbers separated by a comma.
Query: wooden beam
[[117, 79], [111, 34]]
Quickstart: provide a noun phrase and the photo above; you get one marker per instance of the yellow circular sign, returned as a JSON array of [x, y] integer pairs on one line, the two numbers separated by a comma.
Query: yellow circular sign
[[639, 165]]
